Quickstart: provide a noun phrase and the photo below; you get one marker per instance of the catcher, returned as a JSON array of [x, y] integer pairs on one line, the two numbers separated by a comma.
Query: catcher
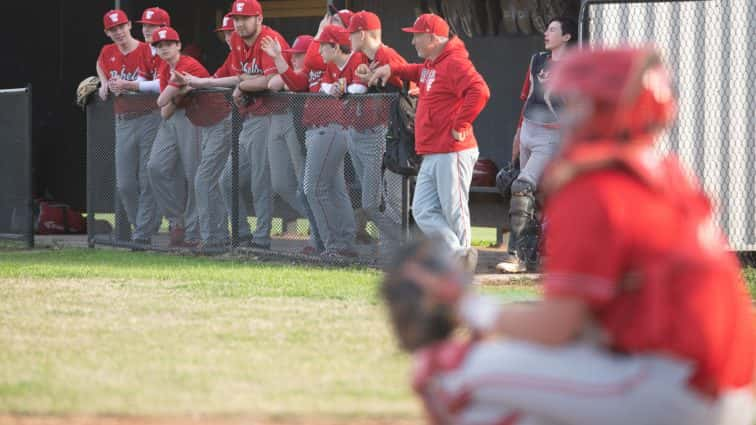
[[645, 318]]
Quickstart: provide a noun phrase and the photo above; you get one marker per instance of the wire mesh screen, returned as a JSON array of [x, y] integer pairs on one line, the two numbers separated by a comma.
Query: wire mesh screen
[[707, 45], [290, 173], [16, 212]]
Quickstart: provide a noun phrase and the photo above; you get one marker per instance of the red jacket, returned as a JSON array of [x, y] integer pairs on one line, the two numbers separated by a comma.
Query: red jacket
[[452, 94]]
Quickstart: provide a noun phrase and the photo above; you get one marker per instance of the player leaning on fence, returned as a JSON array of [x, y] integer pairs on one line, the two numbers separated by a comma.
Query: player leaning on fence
[[124, 66], [452, 94]]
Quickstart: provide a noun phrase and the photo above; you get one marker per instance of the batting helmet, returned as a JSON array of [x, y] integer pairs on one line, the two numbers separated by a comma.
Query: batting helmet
[[628, 89]]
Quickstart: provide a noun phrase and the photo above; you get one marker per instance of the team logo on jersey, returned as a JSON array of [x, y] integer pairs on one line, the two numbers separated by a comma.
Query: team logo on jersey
[[114, 17], [428, 76], [123, 75], [148, 14], [162, 34], [251, 68], [315, 77]]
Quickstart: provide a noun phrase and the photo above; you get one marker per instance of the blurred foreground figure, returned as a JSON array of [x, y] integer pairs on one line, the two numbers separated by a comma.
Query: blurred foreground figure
[[645, 317]]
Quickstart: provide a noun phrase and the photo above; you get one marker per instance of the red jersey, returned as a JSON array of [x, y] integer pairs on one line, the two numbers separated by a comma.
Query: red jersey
[[374, 111], [452, 95], [252, 60], [137, 65], [635, 240], [202, 109], [346, 111]]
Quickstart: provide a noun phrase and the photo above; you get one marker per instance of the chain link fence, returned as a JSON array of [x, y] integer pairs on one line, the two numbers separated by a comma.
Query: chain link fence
[[278, 174], [707, 45], [16, 203]]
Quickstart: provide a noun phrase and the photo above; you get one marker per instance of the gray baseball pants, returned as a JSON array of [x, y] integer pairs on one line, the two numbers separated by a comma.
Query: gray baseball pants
[[538, 145], [325, 187], [215, 142], [441, 200], [176, 149], [582, 384], [366, 150], [134, 140]]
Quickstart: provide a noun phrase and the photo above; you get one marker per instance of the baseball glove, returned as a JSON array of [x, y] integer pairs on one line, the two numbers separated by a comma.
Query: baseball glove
[[86, 87], [420, 289]]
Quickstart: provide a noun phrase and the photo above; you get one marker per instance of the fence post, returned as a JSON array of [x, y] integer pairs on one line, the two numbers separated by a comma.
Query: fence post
[[235, 130], [29, 167]]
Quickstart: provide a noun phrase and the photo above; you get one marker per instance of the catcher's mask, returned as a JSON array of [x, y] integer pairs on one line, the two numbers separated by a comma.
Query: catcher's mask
[[420, 288], [622, 94]]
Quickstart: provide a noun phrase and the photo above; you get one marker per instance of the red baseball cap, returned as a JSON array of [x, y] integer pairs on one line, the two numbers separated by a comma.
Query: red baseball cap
[[246, 8], [114, 18], [301, 44], [364, 21], [227, 24], [334, 34], [345, 15], [430, 24], [165, 34], [155, 16]]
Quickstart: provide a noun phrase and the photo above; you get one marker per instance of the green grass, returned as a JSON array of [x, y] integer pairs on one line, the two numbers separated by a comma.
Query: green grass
[[119, 333]]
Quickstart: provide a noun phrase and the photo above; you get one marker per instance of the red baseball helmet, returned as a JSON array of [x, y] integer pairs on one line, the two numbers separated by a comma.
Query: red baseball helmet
[[629, 90]]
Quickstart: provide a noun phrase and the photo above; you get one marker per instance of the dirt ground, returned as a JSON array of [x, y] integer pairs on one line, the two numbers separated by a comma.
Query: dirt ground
[[104, 420]]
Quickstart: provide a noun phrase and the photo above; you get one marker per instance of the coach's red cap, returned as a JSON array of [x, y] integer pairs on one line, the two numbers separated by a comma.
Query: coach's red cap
[[114, 18], [227, 24], [301, 44], [430, 24], [155, 16], [364, 21], [165, 34], [334, 34], [246, 8]]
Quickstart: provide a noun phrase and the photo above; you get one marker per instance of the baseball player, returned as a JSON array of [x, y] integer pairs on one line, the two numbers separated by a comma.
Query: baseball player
[[645, 317], [324, 186], [125, 66], [153, 18], [367, 135], [249, 70], [301, 52], [452, 94], [177, 143], [227, 28], [536, 142]]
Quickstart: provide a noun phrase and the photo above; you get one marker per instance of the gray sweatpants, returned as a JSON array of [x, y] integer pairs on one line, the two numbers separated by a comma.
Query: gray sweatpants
[[265, 168], [215, 142], [366, 150], [177, 142], [134, 139], [538, 145], [325, 187], [582, 384], [441, 200]]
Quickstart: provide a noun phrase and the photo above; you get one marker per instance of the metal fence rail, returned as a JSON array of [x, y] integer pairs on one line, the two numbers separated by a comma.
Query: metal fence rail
[[16, 203], [707, 45], [259, 175]]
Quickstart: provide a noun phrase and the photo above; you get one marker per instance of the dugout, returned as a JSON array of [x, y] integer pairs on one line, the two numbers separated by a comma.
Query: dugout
[[63, 45]]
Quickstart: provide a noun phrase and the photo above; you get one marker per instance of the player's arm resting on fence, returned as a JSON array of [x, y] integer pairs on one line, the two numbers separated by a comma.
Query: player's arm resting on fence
[[173, 93], [224, 77], [276, 83], [103, 90], [474, 91]]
